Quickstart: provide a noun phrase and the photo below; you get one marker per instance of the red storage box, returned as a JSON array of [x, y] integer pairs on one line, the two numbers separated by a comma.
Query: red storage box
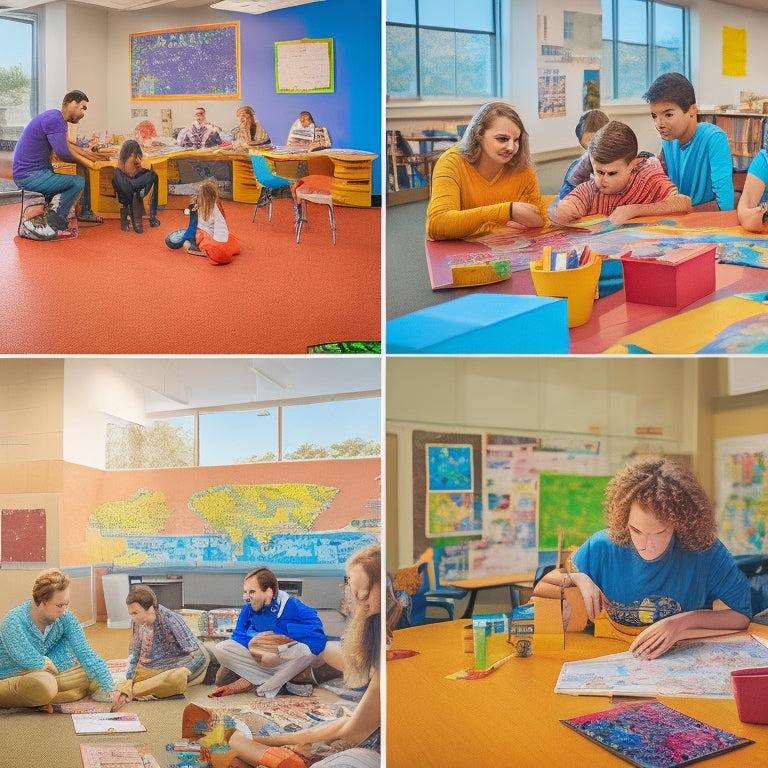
[[750, 689], [678, 278]]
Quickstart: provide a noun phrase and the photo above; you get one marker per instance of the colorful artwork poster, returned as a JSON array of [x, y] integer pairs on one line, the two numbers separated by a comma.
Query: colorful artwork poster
[[551, 94], [22, 536], [452, 514], [653, 735], [573, 503], [449, 468], [741, 493]]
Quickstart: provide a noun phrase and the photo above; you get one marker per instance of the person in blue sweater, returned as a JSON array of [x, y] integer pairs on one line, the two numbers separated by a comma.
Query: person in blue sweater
[[658, 568], [45, 658], [276, 637]]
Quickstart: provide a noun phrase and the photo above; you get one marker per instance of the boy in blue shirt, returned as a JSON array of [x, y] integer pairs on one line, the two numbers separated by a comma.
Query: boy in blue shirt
[[696, 156], [276, 637]]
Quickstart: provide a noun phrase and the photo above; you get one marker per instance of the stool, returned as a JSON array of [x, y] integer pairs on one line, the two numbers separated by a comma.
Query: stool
[[312, 196], [34, 205]]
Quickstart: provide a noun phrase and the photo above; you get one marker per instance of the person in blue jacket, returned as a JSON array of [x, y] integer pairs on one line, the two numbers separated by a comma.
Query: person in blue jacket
[[276, 637]]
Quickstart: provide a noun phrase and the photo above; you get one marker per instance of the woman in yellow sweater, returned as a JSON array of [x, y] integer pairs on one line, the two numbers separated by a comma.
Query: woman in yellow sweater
[[488, 181]]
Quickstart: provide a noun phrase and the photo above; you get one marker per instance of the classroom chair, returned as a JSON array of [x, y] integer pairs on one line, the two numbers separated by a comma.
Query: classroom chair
[[411, 585], [268, 181], [440, 593], [755, 568], [313, 189]]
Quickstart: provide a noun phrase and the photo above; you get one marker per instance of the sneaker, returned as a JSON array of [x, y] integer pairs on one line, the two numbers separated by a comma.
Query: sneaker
[[154, 221], [39, 230], [299, 689], [193, 249], [90, 217], [56, 221]]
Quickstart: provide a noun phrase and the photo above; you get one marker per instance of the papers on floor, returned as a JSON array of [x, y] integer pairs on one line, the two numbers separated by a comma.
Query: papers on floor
[[107, 722]]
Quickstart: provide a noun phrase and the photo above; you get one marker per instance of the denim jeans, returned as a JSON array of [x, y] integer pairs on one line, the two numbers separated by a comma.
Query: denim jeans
[[49, 184]]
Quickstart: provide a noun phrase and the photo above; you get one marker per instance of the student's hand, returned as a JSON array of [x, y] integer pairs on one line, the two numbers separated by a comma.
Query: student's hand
[[752, 219], [657, 639], [622, 215], [118, 699], [590, 592]]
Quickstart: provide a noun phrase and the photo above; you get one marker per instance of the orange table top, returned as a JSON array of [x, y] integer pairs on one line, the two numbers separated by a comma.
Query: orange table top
[[512, 716]]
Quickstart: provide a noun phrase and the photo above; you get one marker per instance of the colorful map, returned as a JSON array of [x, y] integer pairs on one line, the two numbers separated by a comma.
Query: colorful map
[[699, 668]]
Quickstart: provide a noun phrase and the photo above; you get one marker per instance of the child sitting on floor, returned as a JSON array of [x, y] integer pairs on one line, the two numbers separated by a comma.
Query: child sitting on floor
[[623, 186], [212, 236]]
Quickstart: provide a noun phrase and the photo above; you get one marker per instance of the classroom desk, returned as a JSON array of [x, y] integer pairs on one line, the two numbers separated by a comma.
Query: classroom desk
[[511, 580], [352, 170], [612, 316], [511, 717]]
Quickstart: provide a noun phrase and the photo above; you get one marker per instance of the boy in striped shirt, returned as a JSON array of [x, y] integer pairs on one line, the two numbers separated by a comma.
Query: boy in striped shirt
[[623, 186]]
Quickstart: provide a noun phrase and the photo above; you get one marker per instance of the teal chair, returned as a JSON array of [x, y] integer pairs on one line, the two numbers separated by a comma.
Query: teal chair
[[268, 182]]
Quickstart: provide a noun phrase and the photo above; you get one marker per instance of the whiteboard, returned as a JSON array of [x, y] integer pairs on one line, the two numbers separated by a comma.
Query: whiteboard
[[304, 66]]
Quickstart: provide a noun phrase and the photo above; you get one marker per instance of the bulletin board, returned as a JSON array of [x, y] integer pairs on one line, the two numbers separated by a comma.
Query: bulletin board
[[304, 66], [22, 536], [201, 62]]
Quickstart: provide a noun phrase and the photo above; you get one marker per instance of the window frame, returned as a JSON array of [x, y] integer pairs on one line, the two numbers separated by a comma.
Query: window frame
[[33, 21], [651, 6], [495, 52]]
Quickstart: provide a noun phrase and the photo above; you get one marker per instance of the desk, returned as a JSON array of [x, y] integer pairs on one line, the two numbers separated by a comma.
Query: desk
[[511, 718], [612, 317], [352, 170], [510, 580]]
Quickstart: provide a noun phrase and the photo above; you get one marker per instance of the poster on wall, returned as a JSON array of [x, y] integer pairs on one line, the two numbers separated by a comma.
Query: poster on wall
[[22, 536], [201, 62], [304, 66], [741, 493], [450, 491], [569, 50]]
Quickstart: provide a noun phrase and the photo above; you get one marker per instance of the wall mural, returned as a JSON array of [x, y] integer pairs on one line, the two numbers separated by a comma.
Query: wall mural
[[252, 523]]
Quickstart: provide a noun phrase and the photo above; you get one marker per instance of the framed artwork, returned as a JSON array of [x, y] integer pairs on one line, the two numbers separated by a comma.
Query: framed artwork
[[200, 62], [304, 66]]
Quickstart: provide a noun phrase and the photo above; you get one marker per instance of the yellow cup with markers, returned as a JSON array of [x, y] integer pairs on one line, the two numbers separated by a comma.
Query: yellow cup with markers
[[578, 285]]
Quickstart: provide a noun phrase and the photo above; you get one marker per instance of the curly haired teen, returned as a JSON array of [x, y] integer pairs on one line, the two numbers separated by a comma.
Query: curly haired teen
[[658, 567]]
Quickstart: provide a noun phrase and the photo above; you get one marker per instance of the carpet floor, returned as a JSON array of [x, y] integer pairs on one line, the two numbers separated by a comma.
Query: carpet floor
[[34, 738], [113, 292]]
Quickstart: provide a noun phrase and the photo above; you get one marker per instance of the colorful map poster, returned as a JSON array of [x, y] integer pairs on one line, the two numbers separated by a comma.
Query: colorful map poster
[[741, 493], [699, 668], [450, 491]]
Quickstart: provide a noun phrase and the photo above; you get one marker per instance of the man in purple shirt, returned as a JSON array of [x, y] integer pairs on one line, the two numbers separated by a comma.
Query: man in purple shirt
[[32, 168]]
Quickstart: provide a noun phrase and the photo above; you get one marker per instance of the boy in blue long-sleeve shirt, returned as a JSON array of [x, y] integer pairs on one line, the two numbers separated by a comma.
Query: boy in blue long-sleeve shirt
[[276, 637], [696, 156]]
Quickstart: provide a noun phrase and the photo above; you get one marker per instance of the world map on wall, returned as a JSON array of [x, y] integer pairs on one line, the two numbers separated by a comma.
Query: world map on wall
[[237, 523]]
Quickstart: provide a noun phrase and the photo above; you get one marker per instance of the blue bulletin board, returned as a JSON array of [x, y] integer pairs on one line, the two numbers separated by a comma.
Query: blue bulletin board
[[200, 62]]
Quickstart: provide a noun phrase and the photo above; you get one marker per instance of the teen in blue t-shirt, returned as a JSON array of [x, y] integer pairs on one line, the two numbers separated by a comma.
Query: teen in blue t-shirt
[[754, 197], [658, 564]]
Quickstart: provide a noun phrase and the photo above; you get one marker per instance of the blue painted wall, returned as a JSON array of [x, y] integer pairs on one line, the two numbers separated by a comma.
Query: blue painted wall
[[352, 113]]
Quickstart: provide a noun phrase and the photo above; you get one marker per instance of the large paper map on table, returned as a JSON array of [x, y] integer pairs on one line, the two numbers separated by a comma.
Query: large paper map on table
[[699, 668]]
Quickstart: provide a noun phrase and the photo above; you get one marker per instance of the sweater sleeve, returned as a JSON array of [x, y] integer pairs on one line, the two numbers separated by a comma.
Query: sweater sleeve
[[95, 667], [446, 218], [18, 644], [134, 648], [302, 623], [179, 629]]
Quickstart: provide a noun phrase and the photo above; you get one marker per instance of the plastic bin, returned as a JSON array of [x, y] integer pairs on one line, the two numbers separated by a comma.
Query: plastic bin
[[116, 586], [578, 285]]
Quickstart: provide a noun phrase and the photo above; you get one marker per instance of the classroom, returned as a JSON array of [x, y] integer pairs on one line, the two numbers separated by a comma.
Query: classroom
[[495, 466], [290, 289], [181, 474], [553, 63]]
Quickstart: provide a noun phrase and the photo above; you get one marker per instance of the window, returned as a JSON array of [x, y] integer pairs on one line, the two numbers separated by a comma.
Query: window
[[642, 39], [18, 73], [445, 48], [327, 429]]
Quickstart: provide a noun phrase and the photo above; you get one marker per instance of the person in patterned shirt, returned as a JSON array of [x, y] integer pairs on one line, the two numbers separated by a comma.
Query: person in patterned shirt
[[164, 655], [623, 184]]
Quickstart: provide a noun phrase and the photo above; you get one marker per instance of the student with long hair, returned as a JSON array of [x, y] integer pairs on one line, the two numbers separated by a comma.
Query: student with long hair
[[133, 182], [355, 737], [488, 181], [212, 236]]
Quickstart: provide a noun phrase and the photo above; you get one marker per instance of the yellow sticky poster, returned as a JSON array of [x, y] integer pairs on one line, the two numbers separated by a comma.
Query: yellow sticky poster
[[734, 52]]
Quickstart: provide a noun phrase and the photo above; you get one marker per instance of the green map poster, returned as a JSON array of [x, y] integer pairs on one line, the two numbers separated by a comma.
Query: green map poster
[[573, 502]]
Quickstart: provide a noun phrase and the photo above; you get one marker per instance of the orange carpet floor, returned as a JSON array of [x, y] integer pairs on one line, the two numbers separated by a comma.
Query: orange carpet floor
[[115, 292]]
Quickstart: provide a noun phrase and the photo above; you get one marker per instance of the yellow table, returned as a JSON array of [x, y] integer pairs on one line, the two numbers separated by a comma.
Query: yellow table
[[352, 170], [511, 718]]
